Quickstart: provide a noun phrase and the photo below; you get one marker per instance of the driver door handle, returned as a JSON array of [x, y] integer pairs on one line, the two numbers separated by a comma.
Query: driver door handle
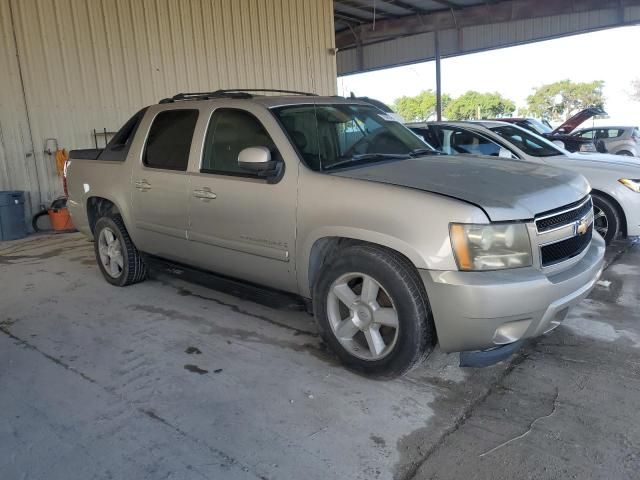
[[205, 193], [142, 185]]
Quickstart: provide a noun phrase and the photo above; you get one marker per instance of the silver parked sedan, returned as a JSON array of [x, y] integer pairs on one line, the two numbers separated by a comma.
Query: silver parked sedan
[[615, 180]]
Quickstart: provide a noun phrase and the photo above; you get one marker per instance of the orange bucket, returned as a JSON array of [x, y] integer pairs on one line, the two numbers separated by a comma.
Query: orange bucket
[[60, 219]]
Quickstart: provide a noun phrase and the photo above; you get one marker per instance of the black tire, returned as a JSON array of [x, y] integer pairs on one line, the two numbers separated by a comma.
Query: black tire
[[624, 153], [400, 280], [611, 217], [134, 269]]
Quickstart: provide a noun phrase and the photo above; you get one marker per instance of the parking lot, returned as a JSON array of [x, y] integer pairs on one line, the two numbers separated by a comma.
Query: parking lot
[[169, 379]]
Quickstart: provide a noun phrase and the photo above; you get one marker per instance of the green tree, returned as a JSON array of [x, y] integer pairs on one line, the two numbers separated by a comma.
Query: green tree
[[560, 100], [419, 108], [476, 105]]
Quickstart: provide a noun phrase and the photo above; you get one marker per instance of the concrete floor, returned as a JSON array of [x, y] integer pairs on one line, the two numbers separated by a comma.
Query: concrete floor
[[168, 379]]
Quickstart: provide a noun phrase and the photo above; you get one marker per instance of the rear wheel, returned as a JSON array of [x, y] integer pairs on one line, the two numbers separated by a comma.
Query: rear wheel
[[119, 260], [606, 219], [372, 310]]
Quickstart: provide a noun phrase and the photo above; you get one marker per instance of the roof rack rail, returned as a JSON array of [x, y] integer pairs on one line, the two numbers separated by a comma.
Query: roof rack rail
[[228, 93]]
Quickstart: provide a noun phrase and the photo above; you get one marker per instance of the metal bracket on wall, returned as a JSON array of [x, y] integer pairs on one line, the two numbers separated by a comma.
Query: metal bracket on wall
[[47, 146]]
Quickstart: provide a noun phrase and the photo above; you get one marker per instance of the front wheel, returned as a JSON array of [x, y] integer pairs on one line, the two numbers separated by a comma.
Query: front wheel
[[118, 258], [372, 310], [606, 220]]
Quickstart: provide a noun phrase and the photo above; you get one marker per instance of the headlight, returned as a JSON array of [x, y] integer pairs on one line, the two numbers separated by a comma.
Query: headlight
[[490, 247], [632, 184]]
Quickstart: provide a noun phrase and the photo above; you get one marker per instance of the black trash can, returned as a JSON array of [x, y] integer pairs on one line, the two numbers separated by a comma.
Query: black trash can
[[12, 224]]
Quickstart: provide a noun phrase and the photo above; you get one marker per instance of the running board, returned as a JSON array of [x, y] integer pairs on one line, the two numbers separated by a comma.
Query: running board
[[265, 296]]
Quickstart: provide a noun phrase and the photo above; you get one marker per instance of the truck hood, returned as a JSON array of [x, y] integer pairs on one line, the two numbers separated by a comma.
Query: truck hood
[[505, 189]]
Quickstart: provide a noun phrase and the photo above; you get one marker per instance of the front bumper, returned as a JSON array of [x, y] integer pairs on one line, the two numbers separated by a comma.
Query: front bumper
[[482, 310]]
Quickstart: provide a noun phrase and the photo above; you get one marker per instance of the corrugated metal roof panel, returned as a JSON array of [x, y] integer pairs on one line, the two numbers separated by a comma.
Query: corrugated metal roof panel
[[419, 47]]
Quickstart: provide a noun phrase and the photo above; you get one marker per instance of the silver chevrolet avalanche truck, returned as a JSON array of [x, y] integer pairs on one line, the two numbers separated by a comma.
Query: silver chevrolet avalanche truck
[[395, 246]]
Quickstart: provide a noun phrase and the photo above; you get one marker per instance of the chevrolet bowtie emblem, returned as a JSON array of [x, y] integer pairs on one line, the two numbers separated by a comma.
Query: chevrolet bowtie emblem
[[582, 226]]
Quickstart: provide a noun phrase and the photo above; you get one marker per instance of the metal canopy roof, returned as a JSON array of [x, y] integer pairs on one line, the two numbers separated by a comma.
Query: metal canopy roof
[[374, 34], [348, 13]]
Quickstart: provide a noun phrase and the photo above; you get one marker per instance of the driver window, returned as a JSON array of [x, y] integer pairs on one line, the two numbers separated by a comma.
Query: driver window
[[231, 131]]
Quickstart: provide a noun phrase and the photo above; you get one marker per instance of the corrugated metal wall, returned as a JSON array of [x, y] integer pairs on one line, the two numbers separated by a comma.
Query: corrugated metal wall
[[89, 64], [420, 47], [17, 170]]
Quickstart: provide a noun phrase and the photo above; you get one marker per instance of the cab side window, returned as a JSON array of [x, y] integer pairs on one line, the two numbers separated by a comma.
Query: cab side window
[[231, 131], [169, 140]]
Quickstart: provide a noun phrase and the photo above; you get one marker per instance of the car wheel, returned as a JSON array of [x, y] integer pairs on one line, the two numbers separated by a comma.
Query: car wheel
[[372, 310], [606, 220], [624, 153], [119, 260]]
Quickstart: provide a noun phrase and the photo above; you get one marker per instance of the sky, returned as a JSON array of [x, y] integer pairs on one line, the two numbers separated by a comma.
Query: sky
[[609, 55]]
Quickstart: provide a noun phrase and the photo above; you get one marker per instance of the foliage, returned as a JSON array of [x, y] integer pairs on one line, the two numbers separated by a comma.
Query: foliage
[[560, 100], [419, 108], [476, 105]]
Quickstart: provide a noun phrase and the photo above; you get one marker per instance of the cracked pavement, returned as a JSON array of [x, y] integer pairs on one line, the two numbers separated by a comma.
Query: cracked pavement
[[168, 379]]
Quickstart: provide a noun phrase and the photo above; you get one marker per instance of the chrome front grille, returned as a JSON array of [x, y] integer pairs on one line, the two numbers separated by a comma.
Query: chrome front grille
[[564, 233], [565, 249], [564, 216]]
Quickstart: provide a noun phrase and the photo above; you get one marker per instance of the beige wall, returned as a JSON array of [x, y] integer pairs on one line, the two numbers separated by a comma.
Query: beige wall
[[92, 63]]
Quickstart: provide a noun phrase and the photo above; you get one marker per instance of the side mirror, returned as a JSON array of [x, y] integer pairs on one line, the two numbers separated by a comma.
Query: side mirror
[[559, 143], [505, 153], [258, 160]]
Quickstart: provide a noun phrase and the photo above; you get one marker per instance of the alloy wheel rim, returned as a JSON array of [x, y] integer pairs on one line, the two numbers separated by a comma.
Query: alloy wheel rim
[[110, 252], [362, 316], [600, 221]]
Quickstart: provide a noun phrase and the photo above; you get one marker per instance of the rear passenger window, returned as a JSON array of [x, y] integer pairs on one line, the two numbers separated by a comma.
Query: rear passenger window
[[231, 131], [615, 133], [169, 140]]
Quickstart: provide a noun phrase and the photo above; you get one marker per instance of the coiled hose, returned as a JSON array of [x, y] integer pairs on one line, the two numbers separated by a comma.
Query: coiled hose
[[57, 204]]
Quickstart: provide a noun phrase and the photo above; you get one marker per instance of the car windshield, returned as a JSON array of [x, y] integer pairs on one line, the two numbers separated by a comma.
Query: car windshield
[[331, 136], [528, 142]]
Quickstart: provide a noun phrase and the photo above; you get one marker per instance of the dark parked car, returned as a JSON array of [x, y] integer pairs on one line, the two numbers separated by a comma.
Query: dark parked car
[[563, 132]]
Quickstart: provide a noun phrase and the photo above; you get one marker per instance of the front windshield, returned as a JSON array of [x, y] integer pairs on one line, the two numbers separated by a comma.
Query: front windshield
[[537, 126], [331, 136], [528, 142]]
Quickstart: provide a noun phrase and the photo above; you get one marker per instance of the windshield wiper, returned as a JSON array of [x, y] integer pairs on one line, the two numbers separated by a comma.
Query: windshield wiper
[[366, 157], [419, 152]]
